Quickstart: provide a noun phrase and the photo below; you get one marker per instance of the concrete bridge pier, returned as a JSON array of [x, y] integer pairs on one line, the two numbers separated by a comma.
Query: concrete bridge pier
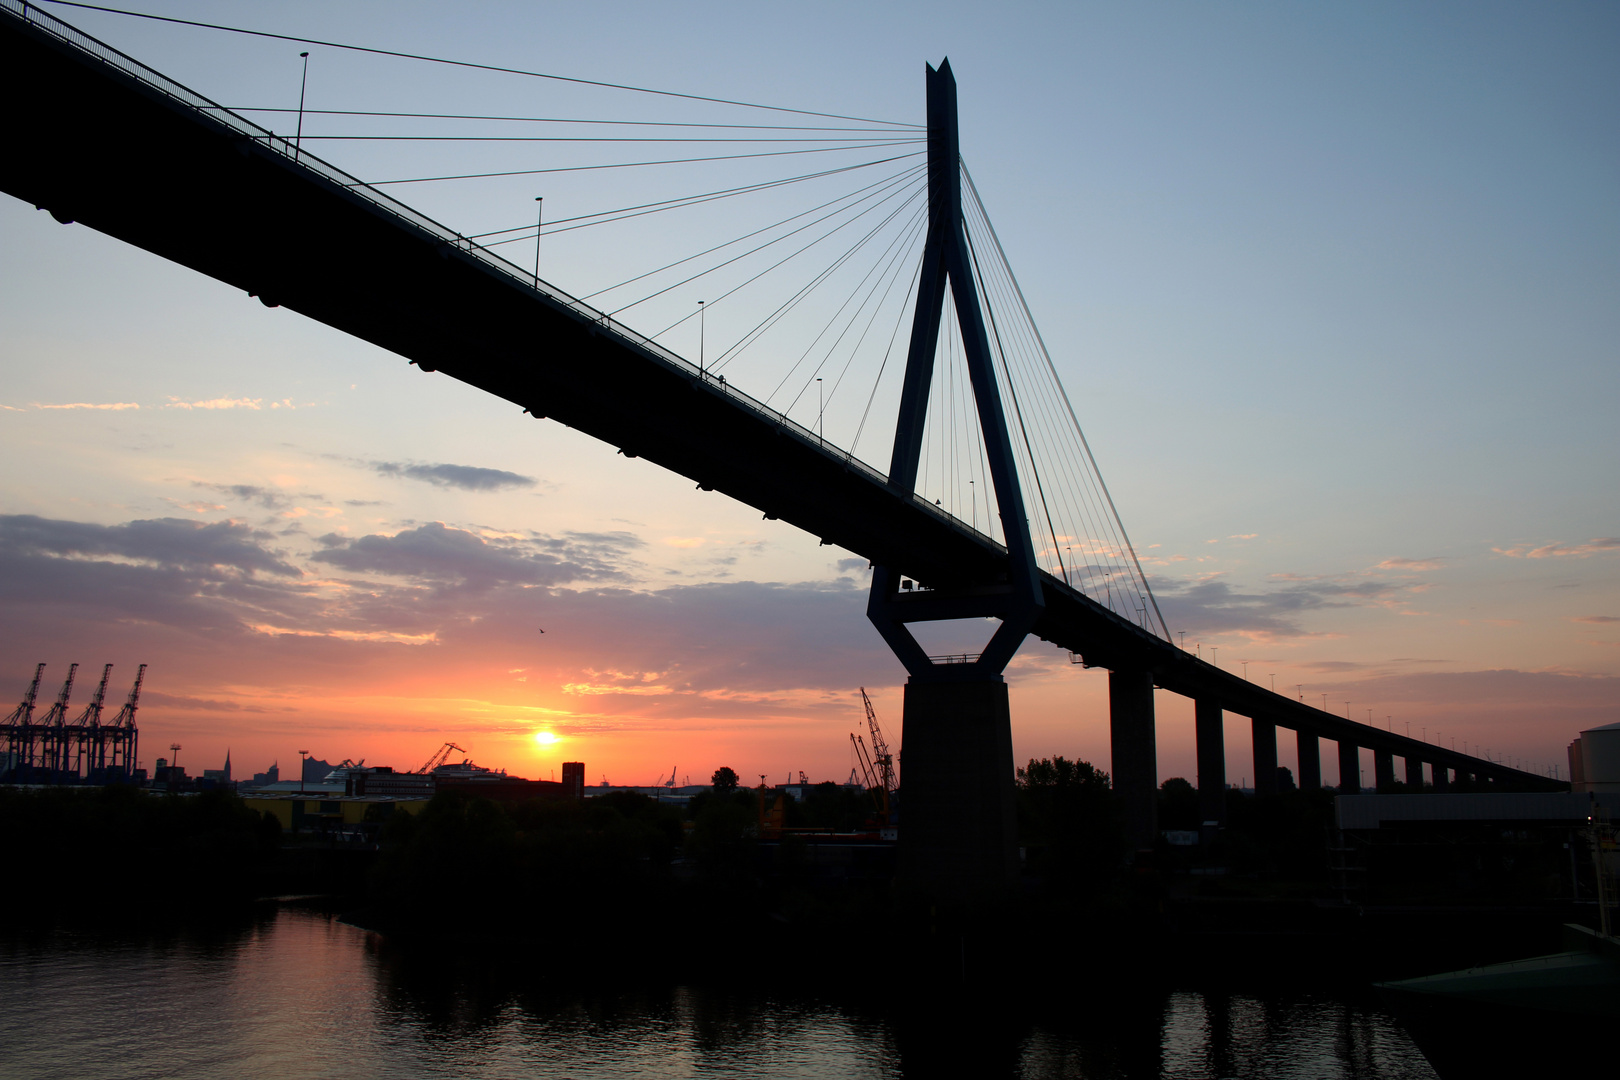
[[1383, 769], [1349, 768], [1265, 756], [1211, 732], [1135, 754], [1310, 761], [1414, 773], [958, 826], [1440, 776]]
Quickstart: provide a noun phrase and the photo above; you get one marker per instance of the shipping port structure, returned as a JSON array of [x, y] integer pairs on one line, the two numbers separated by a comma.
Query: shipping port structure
[[57, 747]]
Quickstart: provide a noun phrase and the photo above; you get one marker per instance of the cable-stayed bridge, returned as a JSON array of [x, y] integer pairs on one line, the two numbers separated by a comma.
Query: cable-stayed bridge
[[991, 507]]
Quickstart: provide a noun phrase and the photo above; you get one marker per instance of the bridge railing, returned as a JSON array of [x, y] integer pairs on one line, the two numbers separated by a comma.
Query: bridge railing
[[188, 98]]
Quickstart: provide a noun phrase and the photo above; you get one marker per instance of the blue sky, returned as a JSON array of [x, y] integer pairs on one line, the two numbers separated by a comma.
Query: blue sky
[[1333, 291]]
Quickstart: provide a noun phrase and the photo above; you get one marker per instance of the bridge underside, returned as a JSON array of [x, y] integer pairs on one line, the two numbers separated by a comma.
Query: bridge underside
[[90, 142]]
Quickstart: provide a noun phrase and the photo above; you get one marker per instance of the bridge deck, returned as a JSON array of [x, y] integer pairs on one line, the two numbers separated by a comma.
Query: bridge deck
[[99, 139]]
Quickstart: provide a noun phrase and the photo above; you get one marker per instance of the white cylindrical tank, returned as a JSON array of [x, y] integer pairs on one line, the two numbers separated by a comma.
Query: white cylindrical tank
[[1600, 757]]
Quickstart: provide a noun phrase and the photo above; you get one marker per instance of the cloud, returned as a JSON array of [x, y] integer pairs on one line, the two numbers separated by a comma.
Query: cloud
[[1214, 606], [215, 403], [1538, 692], [113, 406], [379, 624], [1412, 564], [439, 553], [1330, 667], [465, 477], [1559, 549], [270, 500], [166, 542], [852, 566], [1595, 618]]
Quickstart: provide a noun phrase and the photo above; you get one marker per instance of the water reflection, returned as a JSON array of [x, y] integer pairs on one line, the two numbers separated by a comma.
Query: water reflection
[[298, 994]]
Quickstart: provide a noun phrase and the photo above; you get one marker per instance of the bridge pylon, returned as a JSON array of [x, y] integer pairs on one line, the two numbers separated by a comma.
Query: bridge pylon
[[957, 828]]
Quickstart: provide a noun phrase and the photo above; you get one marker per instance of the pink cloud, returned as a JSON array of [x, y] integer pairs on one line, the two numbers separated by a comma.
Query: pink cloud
[[1411, 564], [113, 406], [212, 403], [1559, 549]]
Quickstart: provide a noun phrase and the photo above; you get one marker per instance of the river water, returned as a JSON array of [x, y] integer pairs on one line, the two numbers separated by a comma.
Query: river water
[[298, 994]]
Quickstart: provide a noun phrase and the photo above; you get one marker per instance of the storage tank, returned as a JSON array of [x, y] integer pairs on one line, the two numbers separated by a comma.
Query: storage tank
[[1600, 758]]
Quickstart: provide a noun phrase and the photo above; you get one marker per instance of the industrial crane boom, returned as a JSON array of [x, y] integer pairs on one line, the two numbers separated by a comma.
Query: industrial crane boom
[[24, 713], [439, 757], [882, 760], [126, 716], [874, 786]]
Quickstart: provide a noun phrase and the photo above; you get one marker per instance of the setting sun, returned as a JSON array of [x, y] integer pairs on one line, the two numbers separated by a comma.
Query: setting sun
[[545, 738]]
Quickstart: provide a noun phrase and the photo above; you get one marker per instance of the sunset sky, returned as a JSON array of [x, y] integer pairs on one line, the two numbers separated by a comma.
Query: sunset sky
[[1333, 291]]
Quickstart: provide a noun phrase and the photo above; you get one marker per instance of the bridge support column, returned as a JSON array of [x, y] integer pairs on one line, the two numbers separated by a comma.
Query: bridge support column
[[958, 830], [1135, 754], [1440, 776], [1383, 769], [1310, 761], [1349, 768], [1211, 732], [1414, 773], [1265, 756]]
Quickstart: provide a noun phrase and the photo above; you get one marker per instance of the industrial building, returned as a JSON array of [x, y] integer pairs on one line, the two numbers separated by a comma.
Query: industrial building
[[328, 813], [1594, 760]]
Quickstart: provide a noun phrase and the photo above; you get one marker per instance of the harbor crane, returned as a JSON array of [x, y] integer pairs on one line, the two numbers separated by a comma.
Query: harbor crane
[[878, 763], [439, 757]]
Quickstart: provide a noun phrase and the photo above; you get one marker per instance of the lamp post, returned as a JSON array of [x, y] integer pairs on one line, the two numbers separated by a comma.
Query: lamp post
[[821, 412], [302, 755], [703, 322], [303, 85]]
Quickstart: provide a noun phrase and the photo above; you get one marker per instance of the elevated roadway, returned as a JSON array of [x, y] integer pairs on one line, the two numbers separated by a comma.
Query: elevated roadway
[[97, 139]]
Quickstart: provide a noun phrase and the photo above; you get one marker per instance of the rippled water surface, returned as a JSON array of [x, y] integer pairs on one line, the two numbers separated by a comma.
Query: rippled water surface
[[301, 995]]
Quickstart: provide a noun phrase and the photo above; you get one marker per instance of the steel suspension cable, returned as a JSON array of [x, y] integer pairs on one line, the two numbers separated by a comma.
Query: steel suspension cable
[[468, 64], [547, 119], [787, 258], [630, 164], [750, 235], [769, 243], [676, 203], [1068, 404], [829, 324]]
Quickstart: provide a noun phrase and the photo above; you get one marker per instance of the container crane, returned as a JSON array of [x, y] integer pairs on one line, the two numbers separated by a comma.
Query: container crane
[[20, 730], [125, 739]]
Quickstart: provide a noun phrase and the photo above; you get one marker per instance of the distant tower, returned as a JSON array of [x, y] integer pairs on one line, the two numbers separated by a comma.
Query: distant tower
[[227, 769], [574, 778]]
